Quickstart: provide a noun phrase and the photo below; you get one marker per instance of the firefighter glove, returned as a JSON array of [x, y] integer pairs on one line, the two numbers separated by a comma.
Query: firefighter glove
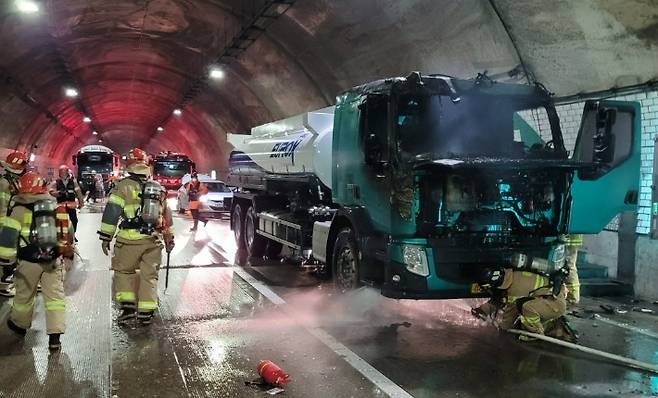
[[7, 271], [105, 245], [169, 243]]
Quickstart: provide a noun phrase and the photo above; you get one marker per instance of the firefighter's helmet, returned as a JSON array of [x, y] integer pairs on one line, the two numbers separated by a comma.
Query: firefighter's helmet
[[32, 182], [16, 162], [138, 162]]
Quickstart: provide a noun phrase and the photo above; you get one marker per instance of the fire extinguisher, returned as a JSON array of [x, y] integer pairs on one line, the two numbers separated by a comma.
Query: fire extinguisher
[[272, 374]]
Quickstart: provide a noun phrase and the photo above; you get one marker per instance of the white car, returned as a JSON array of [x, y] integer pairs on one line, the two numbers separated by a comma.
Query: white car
[[215, 204]]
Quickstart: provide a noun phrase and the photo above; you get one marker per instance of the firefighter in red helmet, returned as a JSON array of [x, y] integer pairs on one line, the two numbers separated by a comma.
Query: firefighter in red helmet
[[14, 165], [137, 208], [37, 234]]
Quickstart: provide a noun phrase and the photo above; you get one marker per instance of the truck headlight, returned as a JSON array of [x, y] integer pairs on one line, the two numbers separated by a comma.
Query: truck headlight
[[415, 259], [203, 199]]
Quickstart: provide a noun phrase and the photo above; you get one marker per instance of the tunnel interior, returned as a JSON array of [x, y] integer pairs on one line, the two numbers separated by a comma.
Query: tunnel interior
[[229, 65]]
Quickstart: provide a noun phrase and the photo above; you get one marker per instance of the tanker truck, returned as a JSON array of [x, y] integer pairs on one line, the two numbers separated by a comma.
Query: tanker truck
[[417, 184]]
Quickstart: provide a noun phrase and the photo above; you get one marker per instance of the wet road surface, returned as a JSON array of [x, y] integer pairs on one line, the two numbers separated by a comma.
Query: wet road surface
[[217, 321]]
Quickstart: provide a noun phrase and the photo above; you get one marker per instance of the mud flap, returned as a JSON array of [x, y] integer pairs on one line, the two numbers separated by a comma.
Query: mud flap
[[610, 140]]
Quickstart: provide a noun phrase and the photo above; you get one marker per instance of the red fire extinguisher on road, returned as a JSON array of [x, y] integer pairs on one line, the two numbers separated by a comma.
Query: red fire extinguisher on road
[[272, 374]]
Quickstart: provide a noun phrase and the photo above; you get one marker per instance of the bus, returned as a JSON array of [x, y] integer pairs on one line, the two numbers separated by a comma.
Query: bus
[[95, 160]]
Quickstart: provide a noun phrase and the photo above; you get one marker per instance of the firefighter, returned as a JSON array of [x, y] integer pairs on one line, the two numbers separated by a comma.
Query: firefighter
[[37, 233], [15, 166], [68, 193], [195, 190], [535, 302], [573, 244], [137, 207]]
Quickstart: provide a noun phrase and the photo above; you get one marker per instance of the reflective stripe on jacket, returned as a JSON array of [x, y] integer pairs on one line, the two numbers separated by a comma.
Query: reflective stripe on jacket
[[572, 240], [19, 223], [124, 204], [525, 284]]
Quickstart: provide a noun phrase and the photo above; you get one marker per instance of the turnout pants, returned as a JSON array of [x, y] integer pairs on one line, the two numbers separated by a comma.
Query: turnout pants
[[134, 291], [73, 215], [572, 282], [535, 313], [27, 277]]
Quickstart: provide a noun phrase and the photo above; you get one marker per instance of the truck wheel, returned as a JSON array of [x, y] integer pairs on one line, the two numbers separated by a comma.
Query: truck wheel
[[273, 251], [237, 225], [345, 261], [255, 243]]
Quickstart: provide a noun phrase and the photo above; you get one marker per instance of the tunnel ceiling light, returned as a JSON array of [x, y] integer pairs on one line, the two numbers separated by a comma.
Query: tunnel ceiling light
[[160, 129], [100, 140], [27, 6], [86, 119], [177, 112], [94, 132], [71, 92], [216, 73]]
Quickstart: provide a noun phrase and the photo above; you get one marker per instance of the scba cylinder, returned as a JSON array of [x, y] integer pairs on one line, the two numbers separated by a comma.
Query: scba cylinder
[[152, 198], [45, 224]]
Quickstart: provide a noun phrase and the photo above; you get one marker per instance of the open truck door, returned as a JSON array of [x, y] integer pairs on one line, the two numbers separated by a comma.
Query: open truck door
[[609, 139]]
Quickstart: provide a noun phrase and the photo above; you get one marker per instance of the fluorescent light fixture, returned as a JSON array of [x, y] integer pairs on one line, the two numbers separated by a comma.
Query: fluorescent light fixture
[[100, 140], [178, 112], [94, 132], [32, 157], [216, 73], [86, 119], [124, 157], [71, 92], [27, 6], [160, 129]]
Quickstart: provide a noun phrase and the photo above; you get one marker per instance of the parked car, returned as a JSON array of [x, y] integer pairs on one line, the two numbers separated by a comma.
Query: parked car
[[215, 204]]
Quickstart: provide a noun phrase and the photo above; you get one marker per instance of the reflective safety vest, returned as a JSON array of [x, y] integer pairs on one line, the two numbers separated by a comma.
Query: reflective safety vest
[[123, 207], [16, 228], [572, 240], [67, 193], [525, 284]]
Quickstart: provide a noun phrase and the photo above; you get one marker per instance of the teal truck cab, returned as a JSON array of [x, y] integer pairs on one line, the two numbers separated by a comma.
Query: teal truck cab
[[416, 184]]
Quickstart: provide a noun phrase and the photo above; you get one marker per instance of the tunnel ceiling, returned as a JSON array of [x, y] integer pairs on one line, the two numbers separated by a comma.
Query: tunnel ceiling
[[134, 61]]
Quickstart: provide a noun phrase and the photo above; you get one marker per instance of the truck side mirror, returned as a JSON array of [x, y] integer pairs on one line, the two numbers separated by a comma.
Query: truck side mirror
[[603, 150], [605, 137]]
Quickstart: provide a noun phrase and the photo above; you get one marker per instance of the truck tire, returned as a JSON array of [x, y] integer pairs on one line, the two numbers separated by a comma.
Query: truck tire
[[273, 250], [237, 225], [345, 261], [254, 242]]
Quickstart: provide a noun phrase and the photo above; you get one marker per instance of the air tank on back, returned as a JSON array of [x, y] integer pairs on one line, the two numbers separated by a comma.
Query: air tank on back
[[297, 145], [45, 225]]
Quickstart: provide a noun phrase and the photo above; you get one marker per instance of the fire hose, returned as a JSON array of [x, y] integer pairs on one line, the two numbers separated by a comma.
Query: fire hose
[[648, 367]]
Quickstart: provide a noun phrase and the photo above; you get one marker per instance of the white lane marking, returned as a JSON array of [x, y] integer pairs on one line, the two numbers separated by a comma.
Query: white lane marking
[[627, 327], [359, 364]]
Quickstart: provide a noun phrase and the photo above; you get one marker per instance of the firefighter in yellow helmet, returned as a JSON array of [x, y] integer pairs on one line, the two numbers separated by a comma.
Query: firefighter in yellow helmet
[[14, 166], [573, 244], [137, 208], [535, 302], [37, 234]]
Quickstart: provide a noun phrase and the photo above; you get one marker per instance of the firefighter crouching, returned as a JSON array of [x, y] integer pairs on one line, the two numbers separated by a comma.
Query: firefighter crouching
[[137, 207], [15, 166], [37, 233], [68, 193], [528, 298]]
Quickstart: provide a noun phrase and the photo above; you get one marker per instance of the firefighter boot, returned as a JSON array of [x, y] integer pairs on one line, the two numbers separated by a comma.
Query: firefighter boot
[[126, 316], [145, 318], [53, 342], [15, 328]]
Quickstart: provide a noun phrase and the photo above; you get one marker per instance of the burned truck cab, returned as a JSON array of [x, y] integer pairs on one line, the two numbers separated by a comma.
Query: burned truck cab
[[460, 175]]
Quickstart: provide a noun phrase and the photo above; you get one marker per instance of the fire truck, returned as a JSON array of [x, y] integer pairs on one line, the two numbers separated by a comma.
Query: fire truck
[[170, 167]]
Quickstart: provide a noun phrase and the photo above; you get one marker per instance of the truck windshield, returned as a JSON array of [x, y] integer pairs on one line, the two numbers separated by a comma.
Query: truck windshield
[[171, 169], [98, 162], [476, 126]]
